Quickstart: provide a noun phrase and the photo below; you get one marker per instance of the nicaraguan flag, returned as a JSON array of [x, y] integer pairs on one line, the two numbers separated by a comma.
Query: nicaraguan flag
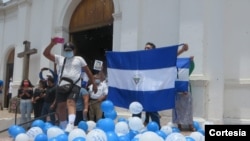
[[182, 81], [146, 76]]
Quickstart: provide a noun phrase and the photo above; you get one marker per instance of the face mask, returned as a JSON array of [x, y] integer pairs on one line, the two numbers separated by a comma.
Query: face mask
[[97, 81], [26, 84], [68, 54]]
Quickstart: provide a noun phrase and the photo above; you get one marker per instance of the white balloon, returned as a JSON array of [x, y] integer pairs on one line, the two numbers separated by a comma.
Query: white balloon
[[22, 137], [150, 136], [135, 123], [91, 125], [175, 137], [54, 132], [197, 136], [135, 107], [121, 128], [33, 132], [96, 135], [138, 136], [144, 129], [166, 129], [76, 133]]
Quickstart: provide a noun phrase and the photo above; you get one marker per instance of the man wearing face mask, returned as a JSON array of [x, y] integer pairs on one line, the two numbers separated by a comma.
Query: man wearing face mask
[[95, 112], [72, 68]]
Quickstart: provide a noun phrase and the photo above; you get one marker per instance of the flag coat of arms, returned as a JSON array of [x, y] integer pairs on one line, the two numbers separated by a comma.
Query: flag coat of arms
[[182, 80], [144, 76]]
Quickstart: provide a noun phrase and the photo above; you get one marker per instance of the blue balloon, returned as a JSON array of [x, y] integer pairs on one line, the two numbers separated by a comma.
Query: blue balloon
[[188, 138], [112, 114], [53, 139], [124, 138], [112, 136], [48, 123], [201, 131], [133, 133], [17, 130], [107, 106], [122, 119], [38, 123], [161, 134], [196, 125], [83, 125], [175, 130], [46, 127], [99, 123], [135, 139], [41, 137], [106, 124], [79, 139], [152, 126], [11, 129], [62, 137]]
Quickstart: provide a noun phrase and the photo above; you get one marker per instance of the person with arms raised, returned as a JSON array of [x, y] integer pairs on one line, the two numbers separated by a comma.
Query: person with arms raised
[[70, 67]]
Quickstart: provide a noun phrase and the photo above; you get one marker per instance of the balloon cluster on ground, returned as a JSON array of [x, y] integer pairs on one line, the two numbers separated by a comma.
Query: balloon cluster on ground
[[110, 128]]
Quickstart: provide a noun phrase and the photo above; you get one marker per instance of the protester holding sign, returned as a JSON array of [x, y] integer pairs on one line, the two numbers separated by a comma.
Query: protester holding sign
[[95, 112]]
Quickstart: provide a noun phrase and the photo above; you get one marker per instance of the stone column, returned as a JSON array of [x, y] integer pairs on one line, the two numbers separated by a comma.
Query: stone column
[[191, 31], [214, 58]]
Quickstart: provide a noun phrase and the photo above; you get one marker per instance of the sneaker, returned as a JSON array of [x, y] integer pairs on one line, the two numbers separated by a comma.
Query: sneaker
[[69, 127]]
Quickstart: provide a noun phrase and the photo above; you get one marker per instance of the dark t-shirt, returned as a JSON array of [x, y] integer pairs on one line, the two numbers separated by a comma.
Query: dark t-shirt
[[38, 92], [50, 94], [20, 91]]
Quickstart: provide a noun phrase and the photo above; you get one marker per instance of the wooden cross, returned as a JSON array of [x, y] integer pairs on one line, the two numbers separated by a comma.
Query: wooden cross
[[26, 58]]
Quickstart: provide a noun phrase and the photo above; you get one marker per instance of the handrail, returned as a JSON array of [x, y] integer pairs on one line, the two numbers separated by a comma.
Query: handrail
[[55, 113], [1, 131]]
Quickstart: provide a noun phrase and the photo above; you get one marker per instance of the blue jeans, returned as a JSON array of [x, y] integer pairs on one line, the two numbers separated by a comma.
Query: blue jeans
[[25, 109], [47, 110]]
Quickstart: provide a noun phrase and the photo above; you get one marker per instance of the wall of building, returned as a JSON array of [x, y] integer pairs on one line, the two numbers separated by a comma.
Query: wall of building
[[236, 66]]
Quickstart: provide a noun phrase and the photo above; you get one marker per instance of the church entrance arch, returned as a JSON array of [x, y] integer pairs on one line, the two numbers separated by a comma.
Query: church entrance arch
[[9, 74], [91, 29]]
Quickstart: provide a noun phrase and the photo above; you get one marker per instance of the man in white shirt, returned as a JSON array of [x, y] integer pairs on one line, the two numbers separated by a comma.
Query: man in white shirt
[[71, 68], [9, 95], [95, 112]]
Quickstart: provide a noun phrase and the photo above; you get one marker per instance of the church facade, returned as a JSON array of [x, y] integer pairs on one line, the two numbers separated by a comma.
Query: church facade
[[217, 32]]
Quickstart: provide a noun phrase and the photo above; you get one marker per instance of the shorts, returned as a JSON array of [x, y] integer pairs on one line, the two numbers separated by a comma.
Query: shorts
[[73, 94]]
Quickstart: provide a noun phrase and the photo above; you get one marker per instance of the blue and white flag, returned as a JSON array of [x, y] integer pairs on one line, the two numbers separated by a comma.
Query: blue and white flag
[[144, 76], [182, 81]]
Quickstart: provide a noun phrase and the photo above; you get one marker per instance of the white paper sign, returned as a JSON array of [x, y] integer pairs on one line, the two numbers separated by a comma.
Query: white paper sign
[[98, 65]]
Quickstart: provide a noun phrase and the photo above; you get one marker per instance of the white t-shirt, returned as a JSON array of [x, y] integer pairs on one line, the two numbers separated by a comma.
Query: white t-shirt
[[10, 87], [102, 90], [84, 77], [72, 67]]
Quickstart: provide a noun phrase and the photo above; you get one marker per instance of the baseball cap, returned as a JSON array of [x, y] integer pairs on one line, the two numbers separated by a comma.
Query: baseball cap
[[68, 47]]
